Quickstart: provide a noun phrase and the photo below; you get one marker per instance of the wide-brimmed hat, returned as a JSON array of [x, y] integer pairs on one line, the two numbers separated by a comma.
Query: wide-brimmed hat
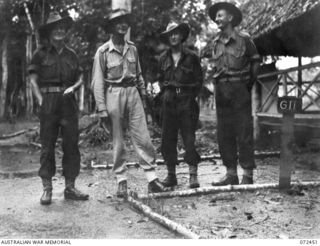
[[54, 19], [231, 8], [172, 26], [116, 15]]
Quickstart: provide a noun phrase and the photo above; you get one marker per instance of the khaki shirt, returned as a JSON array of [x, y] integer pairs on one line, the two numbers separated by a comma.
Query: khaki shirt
[[233, 54], [110, 66]]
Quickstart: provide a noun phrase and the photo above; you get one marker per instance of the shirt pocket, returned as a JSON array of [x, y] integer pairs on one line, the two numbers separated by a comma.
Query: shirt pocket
[[72, 66], [217, 54], [114, 67], [184, 74], [187, 74], [132, 64], [217, 61], [165, 65], [49, 69], [187, 68], [236, 57], [70, 71]]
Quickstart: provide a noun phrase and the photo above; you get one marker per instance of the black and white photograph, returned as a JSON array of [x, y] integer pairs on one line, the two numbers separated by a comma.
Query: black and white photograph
[[159, 119]]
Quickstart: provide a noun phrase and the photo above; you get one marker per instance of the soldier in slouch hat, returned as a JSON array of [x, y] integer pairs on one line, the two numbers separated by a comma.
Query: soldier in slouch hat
[[236, 62], [119, 91], [55, 74], [180, 79]]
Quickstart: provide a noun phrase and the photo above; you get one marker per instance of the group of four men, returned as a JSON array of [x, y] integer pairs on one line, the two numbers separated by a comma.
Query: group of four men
[[120, 94]]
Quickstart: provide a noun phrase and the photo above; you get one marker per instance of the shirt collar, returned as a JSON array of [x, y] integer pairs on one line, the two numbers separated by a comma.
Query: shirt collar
[[227, 38], [113, 47], [51, 48], [184, 51]]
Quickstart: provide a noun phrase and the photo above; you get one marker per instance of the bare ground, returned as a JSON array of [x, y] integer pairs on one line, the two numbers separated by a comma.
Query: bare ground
[[260, 214]]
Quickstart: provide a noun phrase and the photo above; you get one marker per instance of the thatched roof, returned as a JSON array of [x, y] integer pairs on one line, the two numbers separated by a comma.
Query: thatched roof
[[284, 27]]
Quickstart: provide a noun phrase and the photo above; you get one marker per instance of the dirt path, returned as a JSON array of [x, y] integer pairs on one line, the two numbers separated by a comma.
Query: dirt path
[[263, 214], [22, 216]]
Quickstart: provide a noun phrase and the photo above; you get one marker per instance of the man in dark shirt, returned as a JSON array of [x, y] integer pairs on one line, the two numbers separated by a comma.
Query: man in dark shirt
[[180, 79], [236, 62], [55, 74]]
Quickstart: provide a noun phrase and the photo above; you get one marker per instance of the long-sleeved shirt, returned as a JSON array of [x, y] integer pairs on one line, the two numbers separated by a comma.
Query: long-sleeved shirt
[[110, 66], [54, 68], [187, 73]]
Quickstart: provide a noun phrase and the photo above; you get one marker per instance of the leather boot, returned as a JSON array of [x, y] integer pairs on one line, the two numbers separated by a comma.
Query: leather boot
[[71, 193], [247, 177], [122, 189], [227, 180], [246, 180], [47, 192], [170, 180], [193, 179], [156, 186]]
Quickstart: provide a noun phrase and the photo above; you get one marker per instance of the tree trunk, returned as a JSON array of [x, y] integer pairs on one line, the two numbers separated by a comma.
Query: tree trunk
[[36, 34], [4, 63], [29, 98], [81, 98]]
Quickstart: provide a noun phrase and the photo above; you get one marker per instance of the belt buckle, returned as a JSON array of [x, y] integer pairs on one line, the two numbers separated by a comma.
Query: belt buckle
[[241, 75], [178, 90]]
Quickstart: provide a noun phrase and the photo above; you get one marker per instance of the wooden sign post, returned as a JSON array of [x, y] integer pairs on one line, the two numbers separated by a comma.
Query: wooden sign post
[[288, 106]]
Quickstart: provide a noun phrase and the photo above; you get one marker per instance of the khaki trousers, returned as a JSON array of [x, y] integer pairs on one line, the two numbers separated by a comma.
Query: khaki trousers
[[126, 112]]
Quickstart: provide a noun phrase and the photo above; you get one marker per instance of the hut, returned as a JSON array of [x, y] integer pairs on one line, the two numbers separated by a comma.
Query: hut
[[286, 28]]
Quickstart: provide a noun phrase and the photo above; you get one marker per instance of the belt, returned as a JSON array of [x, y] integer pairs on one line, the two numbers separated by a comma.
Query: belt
[[125, 84], [182, 90], [52, 89], [235, 78]]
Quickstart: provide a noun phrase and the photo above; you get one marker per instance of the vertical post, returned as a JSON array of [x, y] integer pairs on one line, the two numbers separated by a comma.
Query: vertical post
[[5, 73], [288, 106], [286, 160], [256, 104], [299, 76], [285, 86], [89, 99]]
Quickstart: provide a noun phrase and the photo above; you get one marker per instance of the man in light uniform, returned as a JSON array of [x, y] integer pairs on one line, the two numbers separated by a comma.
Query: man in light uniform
[[119, 91]]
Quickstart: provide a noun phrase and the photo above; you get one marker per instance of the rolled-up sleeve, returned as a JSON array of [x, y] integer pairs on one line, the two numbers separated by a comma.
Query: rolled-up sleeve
[[79, 67], [97, 84], [198, 71], [251, 51]]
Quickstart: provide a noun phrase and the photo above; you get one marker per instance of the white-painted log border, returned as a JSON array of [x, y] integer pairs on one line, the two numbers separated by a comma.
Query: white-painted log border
[[164, 221], [257, 155], [216, 189]]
